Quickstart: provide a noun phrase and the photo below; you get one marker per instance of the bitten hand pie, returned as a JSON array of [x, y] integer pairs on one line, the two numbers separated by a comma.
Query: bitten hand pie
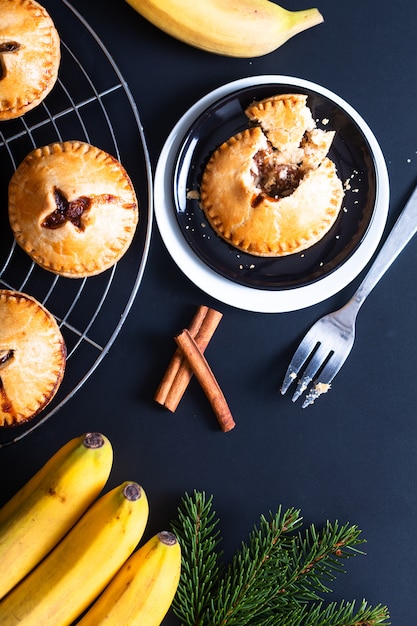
[[72, 208], [29, 56], [271, 190], [32, 357]]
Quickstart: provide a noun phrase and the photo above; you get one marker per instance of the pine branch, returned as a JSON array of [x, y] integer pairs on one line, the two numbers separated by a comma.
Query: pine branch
[[274, 571], [334, 614], [317, 558], [196, 530], [258, 571], [343, 614], [275, 578]]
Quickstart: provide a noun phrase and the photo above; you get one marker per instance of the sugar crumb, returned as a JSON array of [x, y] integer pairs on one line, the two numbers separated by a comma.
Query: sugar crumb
[[192, 194]]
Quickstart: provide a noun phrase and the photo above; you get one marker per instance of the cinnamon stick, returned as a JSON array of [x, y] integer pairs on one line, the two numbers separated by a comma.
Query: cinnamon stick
[[206, 378], [178, 360], [178, 374]]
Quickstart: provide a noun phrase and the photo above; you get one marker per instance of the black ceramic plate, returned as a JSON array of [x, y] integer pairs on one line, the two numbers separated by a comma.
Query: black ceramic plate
[[269, 285], [355, 164]]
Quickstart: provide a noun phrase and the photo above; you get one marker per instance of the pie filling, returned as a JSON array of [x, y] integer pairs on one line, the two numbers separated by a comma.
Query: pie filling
[[66, 211], [7, 46], [275, 179], [73, 211], [5, 356]]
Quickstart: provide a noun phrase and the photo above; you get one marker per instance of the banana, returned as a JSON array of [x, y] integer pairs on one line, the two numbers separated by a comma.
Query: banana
[[70, 578], [236, 28], [142, 591], [50, 503]]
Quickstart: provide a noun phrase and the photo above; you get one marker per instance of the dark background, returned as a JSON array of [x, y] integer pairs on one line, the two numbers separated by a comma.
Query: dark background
[[351, 456]]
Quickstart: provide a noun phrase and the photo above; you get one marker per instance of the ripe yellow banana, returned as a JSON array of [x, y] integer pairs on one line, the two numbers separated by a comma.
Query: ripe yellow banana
[[237, 28], [50, 503], [143, 589], [77, 570]]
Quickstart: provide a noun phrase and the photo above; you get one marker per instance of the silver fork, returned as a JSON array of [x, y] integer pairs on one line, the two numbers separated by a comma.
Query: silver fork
[[329, 341]]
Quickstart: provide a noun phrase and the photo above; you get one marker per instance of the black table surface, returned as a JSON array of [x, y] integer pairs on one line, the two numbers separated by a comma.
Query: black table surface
[[352, 455]]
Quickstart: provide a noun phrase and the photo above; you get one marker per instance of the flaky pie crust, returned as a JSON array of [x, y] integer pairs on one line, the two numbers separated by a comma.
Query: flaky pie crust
[[75, 172], [29, 56], [242, 212], [32, 357]]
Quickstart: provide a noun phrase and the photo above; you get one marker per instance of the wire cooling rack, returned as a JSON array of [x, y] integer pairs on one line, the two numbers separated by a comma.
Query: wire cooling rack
[[91, 102]]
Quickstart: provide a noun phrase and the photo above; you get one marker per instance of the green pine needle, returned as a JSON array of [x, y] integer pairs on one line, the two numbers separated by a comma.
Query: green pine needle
[[196, 529], [277, 577]]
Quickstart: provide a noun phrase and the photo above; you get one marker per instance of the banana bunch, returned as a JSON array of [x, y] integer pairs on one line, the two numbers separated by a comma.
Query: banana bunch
[[236, 28], [62, 544]]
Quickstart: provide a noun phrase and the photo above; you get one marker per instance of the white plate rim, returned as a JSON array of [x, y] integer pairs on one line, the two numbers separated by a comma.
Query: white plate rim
[[242, 296]]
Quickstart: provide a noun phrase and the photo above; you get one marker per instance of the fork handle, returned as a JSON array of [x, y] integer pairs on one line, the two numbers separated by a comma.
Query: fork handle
[[404, 229]]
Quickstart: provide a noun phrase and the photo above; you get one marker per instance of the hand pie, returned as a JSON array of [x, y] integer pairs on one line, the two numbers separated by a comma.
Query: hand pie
[[32, 357], [72, 208], [29, 56], [271, 190]]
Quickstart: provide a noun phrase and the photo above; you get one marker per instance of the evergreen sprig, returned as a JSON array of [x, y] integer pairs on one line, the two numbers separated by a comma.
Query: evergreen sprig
[[276, 578], [196, 529]]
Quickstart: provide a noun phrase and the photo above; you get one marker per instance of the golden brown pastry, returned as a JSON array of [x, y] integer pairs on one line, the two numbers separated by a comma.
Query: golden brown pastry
[[284, 119], [29, 56], [32, 357], [271, 190], [72, 208], [288, 124]]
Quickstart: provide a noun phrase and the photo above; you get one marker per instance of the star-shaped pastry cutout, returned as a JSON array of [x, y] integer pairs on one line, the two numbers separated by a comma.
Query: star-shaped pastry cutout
[[67, 211]]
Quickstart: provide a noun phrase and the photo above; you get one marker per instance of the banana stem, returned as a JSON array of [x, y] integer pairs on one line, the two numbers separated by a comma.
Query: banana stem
[[304, 19]]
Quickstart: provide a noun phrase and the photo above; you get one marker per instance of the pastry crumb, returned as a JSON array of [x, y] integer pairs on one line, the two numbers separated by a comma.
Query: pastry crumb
[[315, 392], [322, 387]]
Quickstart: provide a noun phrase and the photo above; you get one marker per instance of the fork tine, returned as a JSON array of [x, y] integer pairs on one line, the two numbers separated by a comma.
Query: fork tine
[[301, 355], [290, 376], [316, 390], [318, 359], [322, 383], [331, 368]]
